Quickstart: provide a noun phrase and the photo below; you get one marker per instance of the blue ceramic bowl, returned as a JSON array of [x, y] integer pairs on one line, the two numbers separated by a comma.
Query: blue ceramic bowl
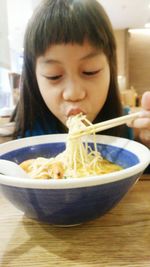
[[72, 201]]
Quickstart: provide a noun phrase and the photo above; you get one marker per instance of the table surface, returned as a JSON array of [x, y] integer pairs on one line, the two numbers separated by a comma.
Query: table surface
[[119, 238]]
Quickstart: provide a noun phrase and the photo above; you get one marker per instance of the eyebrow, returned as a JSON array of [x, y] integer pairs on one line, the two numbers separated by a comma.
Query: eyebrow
[[46, 61], [50, 61]]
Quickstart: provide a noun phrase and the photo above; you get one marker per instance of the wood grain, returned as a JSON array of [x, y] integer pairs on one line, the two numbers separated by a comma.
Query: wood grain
[[139, 61], [120, 238]]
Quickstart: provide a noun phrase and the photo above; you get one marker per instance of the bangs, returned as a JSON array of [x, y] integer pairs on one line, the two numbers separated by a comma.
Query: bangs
[[66, 21]]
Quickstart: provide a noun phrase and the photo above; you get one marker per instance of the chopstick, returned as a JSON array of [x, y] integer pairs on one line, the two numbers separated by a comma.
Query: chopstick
[[104, 125]]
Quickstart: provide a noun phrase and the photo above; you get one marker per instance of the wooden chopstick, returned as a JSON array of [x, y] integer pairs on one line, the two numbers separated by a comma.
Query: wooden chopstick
[[105, 125]]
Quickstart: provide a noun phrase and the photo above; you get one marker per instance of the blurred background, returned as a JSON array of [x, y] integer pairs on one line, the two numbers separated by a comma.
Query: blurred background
[[131, 23]]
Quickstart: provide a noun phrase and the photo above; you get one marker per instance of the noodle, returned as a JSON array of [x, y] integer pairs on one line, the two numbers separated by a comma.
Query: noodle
[[78, 159]]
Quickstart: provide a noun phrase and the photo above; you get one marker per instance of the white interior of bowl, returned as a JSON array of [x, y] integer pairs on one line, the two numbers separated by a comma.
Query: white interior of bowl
[[142, 152]]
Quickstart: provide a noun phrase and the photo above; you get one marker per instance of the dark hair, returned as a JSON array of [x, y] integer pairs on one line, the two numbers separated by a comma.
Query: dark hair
[[56, 22]]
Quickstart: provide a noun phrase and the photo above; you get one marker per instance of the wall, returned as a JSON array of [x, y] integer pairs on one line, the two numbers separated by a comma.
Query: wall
[[122, 57], [4, 43], [14, 15], [120, 36], [139, 61]]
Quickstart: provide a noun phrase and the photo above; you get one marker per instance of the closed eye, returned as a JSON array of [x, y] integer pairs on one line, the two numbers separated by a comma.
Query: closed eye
[[53, 78], [90, 73]]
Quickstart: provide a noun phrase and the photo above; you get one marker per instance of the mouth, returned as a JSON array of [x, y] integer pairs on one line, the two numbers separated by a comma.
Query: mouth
[[75, 111]]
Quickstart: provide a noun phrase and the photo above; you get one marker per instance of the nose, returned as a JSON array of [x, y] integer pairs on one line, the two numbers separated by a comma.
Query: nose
[[74, 91]]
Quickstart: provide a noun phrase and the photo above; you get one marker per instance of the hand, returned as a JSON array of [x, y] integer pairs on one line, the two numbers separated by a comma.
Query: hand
[[142, 123]]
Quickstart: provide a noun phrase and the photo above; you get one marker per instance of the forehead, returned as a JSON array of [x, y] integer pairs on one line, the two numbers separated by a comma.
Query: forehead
[[68, 51]]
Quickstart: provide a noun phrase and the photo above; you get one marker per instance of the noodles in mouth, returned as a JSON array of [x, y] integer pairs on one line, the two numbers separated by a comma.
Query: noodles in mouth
[[77, 160]]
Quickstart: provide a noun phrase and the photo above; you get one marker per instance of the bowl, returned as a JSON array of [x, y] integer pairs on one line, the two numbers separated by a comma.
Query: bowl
[[72, 201]]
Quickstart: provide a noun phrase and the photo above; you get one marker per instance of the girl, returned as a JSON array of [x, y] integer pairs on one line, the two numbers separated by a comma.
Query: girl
[[70, 67]]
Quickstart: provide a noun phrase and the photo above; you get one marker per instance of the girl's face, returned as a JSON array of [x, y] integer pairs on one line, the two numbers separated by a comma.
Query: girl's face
[[72, 79]]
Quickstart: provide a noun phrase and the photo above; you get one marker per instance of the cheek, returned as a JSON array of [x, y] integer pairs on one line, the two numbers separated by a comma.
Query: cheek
[[43, 85], [103, 86], [50, 99], [44, 90], [47, 92], [100, 92]]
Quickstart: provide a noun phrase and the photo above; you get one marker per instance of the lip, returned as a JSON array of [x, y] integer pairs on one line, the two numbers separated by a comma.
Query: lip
[[75, 111]]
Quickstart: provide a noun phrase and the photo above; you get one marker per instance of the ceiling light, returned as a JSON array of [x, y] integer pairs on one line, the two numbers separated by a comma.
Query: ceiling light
[[140, 31], [147, 24]]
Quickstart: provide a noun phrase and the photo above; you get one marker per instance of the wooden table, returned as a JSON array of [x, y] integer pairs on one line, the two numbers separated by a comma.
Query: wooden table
[[119, 238]]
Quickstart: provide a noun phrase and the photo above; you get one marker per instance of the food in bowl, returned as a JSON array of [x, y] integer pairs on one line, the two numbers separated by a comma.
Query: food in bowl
[[68, 202], [77, 160]]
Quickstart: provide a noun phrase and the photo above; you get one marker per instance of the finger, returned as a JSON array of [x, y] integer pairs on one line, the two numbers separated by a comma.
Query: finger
[[143, 123], [145, 137], [144, 113], [145, 102]]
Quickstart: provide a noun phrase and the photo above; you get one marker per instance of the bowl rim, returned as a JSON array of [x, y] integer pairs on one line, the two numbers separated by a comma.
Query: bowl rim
[[141, 151]]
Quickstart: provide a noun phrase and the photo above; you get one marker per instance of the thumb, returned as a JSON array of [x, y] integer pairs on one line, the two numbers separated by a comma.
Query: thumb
[[145, 102]]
